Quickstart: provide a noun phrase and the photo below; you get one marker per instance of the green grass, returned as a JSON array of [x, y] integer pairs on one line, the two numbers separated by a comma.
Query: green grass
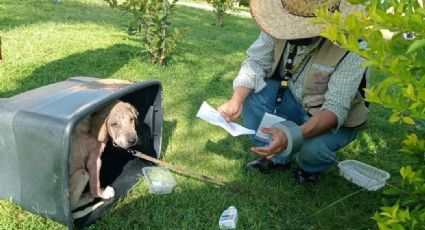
[[45, 43]]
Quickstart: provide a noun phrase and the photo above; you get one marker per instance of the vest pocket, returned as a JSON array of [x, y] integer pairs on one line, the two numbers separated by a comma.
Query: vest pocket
[[318, 82]]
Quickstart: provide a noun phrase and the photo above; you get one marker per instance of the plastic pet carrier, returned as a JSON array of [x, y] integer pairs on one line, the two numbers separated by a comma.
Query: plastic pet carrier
[[35, 135]]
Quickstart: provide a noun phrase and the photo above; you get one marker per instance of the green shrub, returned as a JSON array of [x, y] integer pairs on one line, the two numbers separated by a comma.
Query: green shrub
[[400, 60], [151, 21], [220, 8]]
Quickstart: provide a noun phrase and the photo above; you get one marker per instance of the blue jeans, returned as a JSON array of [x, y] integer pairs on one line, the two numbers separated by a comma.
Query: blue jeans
[[317, 153]]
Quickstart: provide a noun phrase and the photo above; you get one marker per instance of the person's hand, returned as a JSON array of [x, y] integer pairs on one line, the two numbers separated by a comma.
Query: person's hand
[[279, 143], [231, 109]]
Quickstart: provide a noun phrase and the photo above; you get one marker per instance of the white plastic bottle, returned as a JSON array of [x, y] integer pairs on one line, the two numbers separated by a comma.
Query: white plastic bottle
[[229, 218]]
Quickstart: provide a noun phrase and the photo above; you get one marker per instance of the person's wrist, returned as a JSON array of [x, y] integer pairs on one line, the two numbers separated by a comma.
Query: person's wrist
[[238, 99], [239, 94]]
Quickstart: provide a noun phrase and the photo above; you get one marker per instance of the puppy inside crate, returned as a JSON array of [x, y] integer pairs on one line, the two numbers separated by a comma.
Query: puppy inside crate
[[115, 124]]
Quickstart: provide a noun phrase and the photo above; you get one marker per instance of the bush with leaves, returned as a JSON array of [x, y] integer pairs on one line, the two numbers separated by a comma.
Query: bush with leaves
[[220, 8], [399, 61], [150, 19]]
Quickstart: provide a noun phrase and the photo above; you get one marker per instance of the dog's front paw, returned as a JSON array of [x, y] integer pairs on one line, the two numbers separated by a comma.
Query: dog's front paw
[[108, 193]]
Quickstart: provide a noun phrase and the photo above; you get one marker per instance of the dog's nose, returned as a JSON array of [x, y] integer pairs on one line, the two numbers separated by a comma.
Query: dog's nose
[[132, 141]]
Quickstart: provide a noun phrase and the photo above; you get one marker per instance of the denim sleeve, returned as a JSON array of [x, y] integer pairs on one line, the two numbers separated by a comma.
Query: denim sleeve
[[255, 67]]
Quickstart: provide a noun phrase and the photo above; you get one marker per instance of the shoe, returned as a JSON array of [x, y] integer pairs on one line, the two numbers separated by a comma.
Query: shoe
[[306, 178], [265, 166]]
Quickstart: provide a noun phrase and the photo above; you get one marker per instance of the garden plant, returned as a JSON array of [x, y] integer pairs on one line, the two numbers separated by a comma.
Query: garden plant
[[150, 19], [220, 7], [395, 33]]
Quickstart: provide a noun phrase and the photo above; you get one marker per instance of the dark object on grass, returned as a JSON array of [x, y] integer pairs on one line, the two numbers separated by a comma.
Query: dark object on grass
[[306, 178], [265, 166]]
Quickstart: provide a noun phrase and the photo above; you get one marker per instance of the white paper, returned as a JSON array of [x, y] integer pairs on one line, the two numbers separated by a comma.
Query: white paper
[[267, 122], [208, 113]]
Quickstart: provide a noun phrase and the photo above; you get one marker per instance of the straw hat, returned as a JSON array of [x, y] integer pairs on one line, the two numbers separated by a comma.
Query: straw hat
[[290, 19]]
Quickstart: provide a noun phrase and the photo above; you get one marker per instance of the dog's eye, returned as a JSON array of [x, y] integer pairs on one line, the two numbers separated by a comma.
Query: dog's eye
[[131, 120], [114, 124]]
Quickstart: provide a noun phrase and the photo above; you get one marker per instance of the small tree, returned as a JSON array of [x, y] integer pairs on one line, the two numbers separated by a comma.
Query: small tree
[[220, 8], [401, 61], [150, 19]]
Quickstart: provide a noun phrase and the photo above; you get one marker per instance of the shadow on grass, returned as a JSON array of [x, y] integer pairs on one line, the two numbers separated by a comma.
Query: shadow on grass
[[231, 147], [168, 127], [100, 63]]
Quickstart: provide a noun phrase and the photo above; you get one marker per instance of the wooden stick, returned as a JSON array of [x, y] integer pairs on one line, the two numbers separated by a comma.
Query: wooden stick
[[180, 169]]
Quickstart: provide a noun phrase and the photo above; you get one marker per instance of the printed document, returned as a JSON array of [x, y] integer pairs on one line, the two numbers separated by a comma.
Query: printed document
[[211, 115]]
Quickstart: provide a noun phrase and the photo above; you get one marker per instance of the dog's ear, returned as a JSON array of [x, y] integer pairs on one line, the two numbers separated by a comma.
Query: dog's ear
[[98, 126], [133, 111], [102, 135]]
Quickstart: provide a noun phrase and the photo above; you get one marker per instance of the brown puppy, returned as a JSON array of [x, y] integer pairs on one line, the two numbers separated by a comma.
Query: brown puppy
[[116, 121]]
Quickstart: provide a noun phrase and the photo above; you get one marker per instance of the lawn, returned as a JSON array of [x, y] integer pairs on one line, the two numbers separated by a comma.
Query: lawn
[[44, 42]]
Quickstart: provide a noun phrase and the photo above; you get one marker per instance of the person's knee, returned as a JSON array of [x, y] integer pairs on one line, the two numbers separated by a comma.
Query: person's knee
[[315, 156]]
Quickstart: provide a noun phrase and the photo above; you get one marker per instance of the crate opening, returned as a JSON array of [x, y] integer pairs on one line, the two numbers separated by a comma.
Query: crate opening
[[120, 169]]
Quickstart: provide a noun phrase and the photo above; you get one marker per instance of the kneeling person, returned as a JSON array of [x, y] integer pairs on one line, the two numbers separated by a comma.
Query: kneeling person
[[295, 74]]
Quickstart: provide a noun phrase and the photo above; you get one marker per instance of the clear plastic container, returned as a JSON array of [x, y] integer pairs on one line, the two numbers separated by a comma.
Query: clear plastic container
[[159, 180]]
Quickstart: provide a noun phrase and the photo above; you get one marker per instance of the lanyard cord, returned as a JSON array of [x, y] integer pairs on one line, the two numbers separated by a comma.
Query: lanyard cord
[[286, 75], [290, 69]]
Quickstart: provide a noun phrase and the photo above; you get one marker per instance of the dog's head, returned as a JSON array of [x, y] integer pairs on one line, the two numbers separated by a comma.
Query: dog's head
[[117, 121]]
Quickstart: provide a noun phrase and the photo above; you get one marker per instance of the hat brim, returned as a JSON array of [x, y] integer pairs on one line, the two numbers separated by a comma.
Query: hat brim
[[276, 21]]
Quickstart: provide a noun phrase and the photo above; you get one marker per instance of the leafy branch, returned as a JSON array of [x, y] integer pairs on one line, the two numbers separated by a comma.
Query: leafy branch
[[395, 35]]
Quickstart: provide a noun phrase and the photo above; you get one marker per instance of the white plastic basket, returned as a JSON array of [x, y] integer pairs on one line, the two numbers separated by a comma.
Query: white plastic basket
[[364, 175]]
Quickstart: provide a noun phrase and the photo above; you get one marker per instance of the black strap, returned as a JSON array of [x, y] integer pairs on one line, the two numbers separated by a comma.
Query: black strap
[[363, 84], [287, 74]]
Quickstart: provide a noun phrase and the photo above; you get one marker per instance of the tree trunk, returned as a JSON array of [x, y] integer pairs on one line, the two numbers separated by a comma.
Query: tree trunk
[[219, 20]]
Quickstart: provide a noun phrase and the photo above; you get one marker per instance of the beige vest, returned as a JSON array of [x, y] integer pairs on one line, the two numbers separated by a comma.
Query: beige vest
[[314, 90]]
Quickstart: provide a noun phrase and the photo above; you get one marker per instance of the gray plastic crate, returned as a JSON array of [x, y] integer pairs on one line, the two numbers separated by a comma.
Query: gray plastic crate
[[35, 135]]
